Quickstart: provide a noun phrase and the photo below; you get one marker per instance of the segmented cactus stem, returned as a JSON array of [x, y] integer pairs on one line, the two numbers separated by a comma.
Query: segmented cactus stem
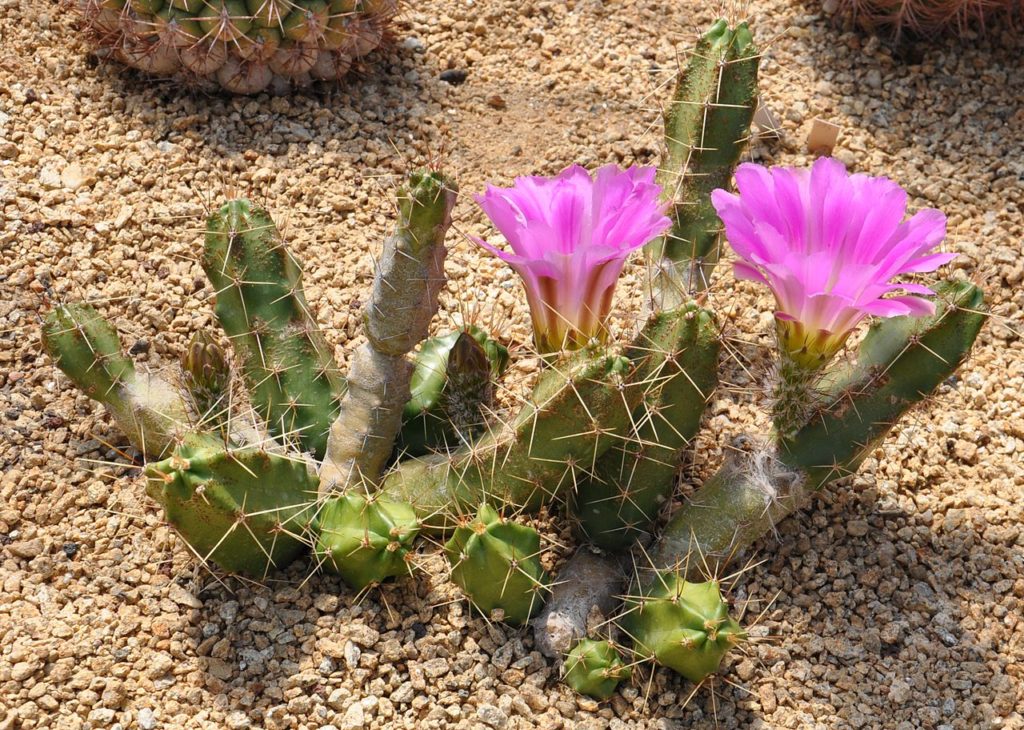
[[409, 277], [149, 411], [293, 380], [707, 125]]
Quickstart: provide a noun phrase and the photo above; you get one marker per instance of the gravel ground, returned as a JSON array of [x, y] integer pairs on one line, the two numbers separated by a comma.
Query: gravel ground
[[893, 602]]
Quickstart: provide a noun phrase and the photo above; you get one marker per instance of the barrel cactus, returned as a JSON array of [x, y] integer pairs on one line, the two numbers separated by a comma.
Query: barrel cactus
[[928, 18], [242, 46]]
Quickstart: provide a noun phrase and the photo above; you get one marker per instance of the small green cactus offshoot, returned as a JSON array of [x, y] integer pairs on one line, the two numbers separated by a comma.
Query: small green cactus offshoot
[[365, 540], [595, 668], [244, 509], [207, 378], [452, 390], [496, 562], [681, 625]]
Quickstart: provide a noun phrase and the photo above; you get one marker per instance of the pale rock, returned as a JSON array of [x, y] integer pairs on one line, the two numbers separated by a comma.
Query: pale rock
[[354, 717]]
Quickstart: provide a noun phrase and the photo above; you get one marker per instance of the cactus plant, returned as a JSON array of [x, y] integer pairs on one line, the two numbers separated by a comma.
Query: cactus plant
[[928, 18], [595, 668], [606, 423], [496, 562], [242, 46], [365, 540], [682, 625]]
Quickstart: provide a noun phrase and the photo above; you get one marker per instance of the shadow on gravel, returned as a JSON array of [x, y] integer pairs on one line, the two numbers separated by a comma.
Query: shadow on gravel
[[379, 99], [410, 649], [954, 93], [888, 605]]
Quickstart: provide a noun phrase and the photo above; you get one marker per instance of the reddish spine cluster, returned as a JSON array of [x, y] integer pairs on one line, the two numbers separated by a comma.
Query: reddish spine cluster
[[928, 17]]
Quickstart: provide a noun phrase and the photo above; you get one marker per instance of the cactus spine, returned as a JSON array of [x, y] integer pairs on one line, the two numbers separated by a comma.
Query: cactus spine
[[244, 509], [150, 412], [409, 276], [707, 123], [496, 562], [289, 368], [632, 480]]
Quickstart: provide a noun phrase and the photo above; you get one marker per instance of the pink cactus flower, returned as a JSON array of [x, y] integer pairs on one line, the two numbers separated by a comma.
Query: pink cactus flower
[[570, 237], [829, 244]]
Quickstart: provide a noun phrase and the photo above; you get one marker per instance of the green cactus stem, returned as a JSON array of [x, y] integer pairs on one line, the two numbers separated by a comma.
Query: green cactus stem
[[579, 407], [707, 124], [365, 541], [595, 668], [496, 563], [900, 363], [409, 276], [632, 480], [206, 376], [452, 390], [681, 625], [150, 412], [244, 509], [294, 383]]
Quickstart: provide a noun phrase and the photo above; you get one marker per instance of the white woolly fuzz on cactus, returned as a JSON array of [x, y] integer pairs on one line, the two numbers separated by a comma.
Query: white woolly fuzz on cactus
[[765, 474]]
